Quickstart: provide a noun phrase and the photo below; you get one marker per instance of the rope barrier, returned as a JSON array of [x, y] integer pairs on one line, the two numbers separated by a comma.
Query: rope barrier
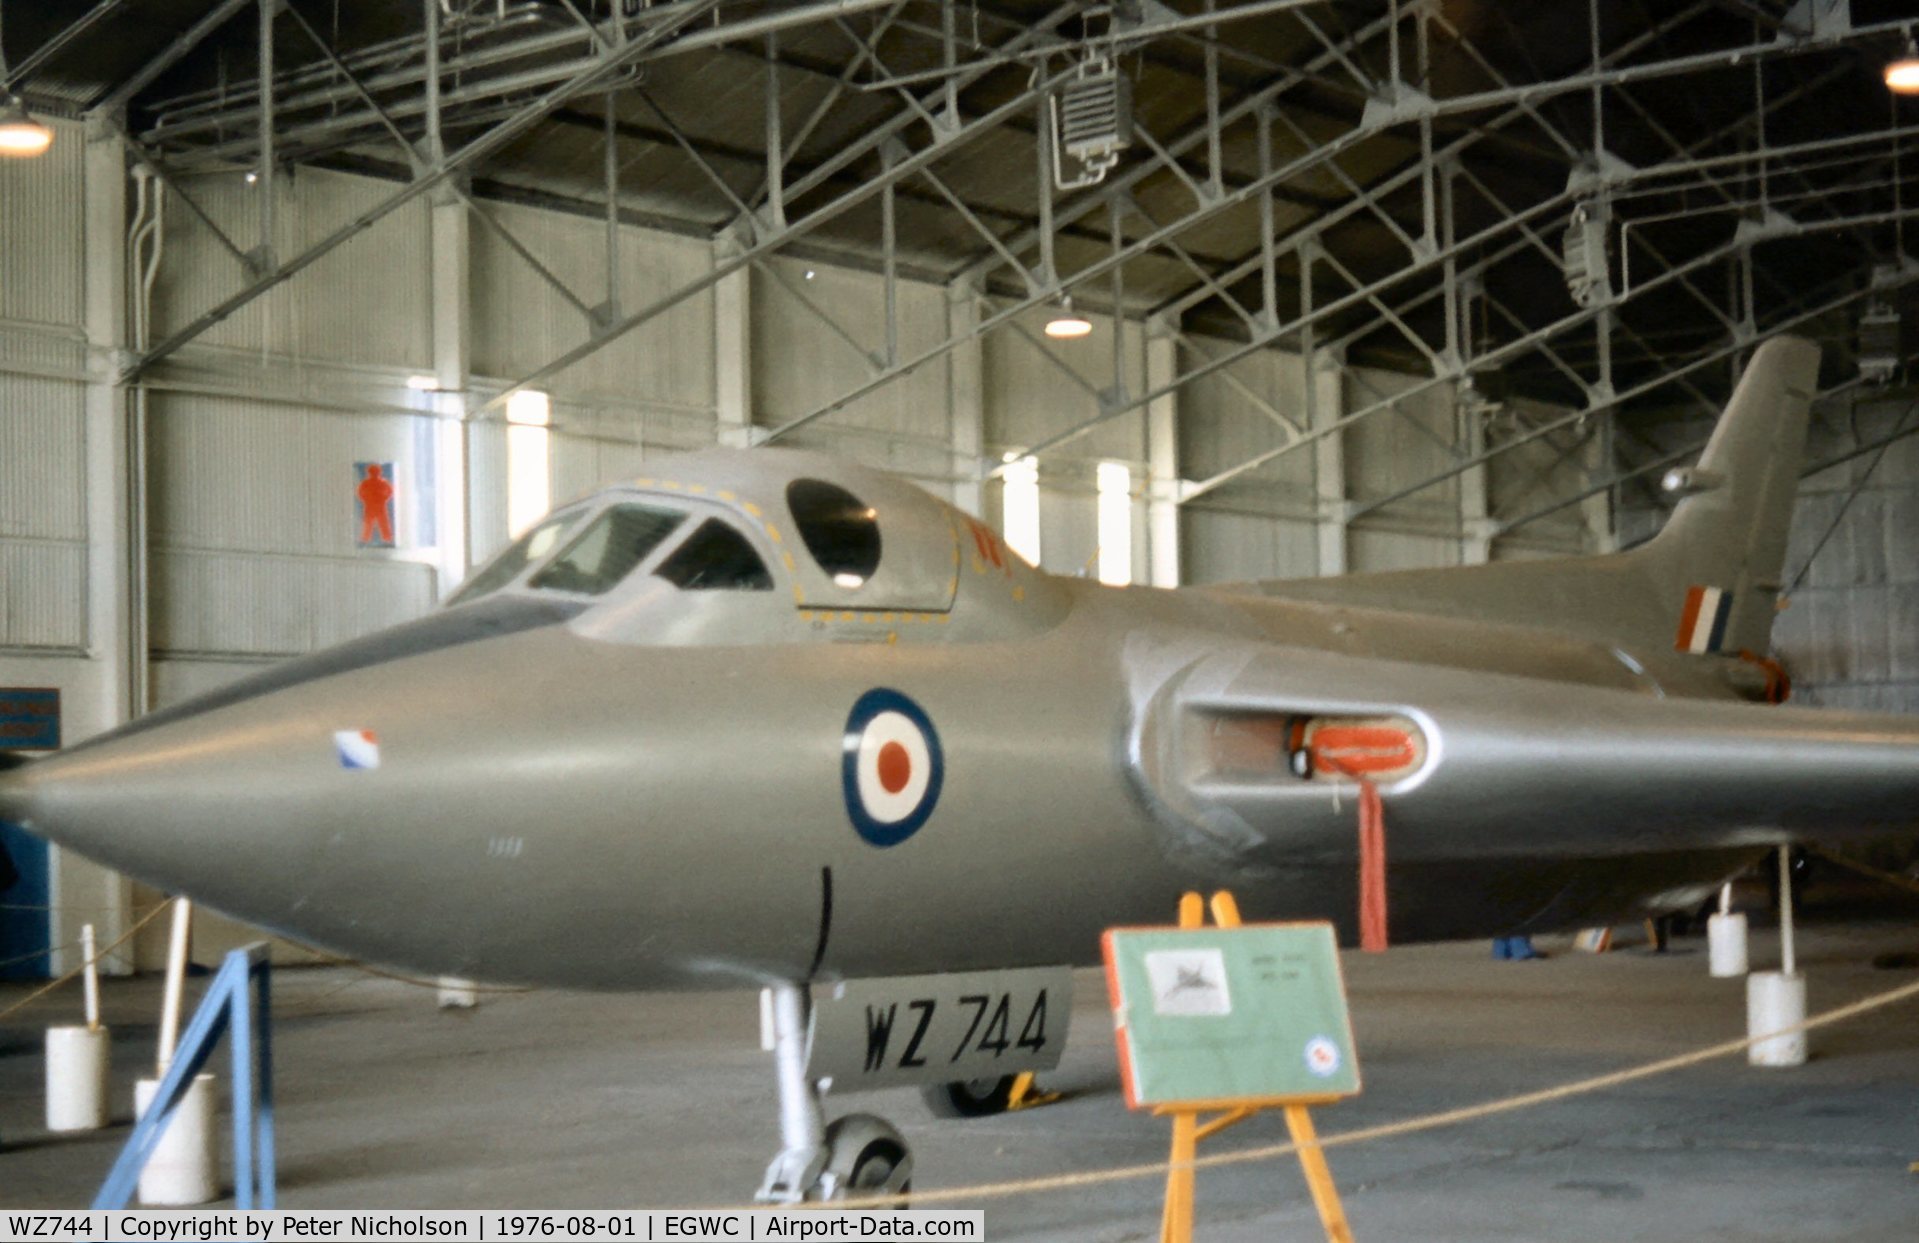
[[1388, 1130], [76, 973], [39, 953]]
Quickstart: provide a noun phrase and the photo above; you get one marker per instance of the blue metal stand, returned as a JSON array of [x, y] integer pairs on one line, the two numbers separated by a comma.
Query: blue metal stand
[[241, 1000]]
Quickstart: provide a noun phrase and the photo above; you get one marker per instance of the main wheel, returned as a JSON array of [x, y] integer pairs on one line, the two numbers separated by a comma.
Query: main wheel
[[865, 1157], [969, 1098]]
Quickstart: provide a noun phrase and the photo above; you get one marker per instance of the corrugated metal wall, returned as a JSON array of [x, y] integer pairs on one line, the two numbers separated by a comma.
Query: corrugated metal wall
[[1036, 388], [1262, 524], [817, 338], [43, 494], [1849, 632]]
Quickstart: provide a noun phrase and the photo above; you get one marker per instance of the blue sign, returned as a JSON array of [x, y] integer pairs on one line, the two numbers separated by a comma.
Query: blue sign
[[29, 719]]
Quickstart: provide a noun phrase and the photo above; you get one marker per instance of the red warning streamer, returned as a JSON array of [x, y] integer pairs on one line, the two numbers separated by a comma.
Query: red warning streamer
[[1356, 751]]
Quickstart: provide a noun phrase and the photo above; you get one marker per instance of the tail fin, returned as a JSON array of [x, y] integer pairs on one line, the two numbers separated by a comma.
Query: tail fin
[[1721, 556]]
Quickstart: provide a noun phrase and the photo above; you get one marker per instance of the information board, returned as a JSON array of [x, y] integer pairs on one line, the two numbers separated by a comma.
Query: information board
[[1227, 1016], [29, 718]]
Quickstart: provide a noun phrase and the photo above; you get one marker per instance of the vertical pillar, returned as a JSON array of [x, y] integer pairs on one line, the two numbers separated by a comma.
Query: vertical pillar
[[84, 891], [966, 396], [1475, 514], [732, 351], [450, 225], [1162, 456], [1325, 403], [1597, 509]]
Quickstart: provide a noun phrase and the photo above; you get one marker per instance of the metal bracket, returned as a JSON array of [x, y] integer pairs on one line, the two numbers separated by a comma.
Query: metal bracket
[[1396, 103], [1820, 19]]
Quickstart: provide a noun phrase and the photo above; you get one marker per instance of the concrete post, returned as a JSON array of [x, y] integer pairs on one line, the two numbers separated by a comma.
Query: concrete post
[[1475, 515], [1325, 394], [450, 225], [966, 397], [733, 352], [1162, 457], [83, 891]]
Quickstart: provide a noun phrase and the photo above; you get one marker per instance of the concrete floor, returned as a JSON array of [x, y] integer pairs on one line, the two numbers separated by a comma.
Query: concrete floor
[[557, 1100]]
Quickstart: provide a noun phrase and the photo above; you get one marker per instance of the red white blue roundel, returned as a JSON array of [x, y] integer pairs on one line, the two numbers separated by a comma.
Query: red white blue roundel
[[890, 767]]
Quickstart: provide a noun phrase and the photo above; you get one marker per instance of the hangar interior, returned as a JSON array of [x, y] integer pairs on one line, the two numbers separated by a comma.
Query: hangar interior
[[1361, 285]]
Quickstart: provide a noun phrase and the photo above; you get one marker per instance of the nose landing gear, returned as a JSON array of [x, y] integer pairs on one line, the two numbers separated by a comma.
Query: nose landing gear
[[856, 1156]]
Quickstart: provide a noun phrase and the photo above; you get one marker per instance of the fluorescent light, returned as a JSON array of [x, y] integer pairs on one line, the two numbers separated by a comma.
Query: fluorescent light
[[20, 135], [1902, 75], [422, 383]]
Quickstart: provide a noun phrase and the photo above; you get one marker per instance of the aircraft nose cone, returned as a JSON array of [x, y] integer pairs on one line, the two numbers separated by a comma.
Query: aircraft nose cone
[[14, 792]]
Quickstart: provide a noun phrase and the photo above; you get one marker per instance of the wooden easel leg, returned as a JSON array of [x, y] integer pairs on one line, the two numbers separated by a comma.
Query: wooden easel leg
[[1177, 1225], [1319, 1179]]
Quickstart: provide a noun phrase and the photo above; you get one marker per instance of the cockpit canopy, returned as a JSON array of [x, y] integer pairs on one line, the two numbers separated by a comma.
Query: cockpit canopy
[[808, 531]]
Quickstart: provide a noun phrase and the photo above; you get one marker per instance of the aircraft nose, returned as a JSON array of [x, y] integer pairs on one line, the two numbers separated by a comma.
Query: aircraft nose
[[14, 800]]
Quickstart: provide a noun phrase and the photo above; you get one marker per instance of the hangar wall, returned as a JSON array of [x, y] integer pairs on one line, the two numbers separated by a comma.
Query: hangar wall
[[1849, 634], [255, 429]]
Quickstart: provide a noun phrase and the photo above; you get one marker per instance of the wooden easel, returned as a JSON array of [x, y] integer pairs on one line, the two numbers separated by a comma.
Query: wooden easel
[[1176, 1225]]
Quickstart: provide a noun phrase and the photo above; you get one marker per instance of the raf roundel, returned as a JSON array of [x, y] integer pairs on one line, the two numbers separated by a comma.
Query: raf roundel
[[891, 767]]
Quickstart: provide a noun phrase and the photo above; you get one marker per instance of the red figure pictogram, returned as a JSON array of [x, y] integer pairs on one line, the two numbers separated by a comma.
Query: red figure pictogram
[[375, 495]]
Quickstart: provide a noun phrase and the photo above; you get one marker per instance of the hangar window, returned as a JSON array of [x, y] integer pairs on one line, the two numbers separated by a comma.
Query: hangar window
[[523, 552], [716, 558], [618, 539], [840, 530]]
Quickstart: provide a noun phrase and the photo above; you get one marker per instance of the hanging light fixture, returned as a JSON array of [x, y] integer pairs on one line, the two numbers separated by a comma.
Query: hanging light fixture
[[20, 135], [1067, 324], [1902, 75]]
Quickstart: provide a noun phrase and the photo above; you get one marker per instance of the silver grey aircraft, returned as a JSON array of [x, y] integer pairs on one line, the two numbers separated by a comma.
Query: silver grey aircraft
[[768, 719]]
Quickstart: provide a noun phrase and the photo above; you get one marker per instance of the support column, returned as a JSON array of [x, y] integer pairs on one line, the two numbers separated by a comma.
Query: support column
[[966, 397], [733, 352], [84, 891], [451, 227], [1475, 513], [1162, 455], [1597, 509], [1325, 403]]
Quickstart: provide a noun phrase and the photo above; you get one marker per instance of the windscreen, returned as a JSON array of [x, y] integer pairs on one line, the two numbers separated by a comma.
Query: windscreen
[[716, 558], [618, 539], [535, 544]]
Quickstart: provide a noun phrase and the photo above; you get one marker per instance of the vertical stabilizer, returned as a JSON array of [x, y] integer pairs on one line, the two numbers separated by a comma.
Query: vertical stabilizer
[[1720, 559]]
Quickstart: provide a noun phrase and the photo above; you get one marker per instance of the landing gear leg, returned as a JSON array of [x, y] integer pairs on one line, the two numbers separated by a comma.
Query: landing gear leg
[[857, 1156], [795, 1172]]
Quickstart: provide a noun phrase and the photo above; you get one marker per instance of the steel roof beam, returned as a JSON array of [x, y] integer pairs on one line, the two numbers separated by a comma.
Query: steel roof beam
[[465, 158]]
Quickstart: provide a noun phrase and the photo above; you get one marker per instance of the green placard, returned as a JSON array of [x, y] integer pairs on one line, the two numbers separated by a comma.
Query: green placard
[[1224, 1015]]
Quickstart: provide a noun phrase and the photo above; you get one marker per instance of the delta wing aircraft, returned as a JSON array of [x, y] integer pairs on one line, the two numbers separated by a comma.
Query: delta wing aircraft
[[772, 720]]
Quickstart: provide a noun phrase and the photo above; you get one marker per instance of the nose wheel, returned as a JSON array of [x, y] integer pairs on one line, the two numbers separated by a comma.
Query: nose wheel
[[853, 1157]]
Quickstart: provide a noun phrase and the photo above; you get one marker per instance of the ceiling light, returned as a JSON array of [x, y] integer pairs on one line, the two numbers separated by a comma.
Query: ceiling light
[[849, 581], [252, 177], [810, 274], [20, 134], [1902, 75], [1067, 324], [422, 383]]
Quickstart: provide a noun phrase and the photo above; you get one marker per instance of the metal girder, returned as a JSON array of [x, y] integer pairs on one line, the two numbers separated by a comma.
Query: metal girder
[[1907, 277], [1327, 151], [19, 73], [1490, 357], [116, 99], [467, 156], [765, 244]]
